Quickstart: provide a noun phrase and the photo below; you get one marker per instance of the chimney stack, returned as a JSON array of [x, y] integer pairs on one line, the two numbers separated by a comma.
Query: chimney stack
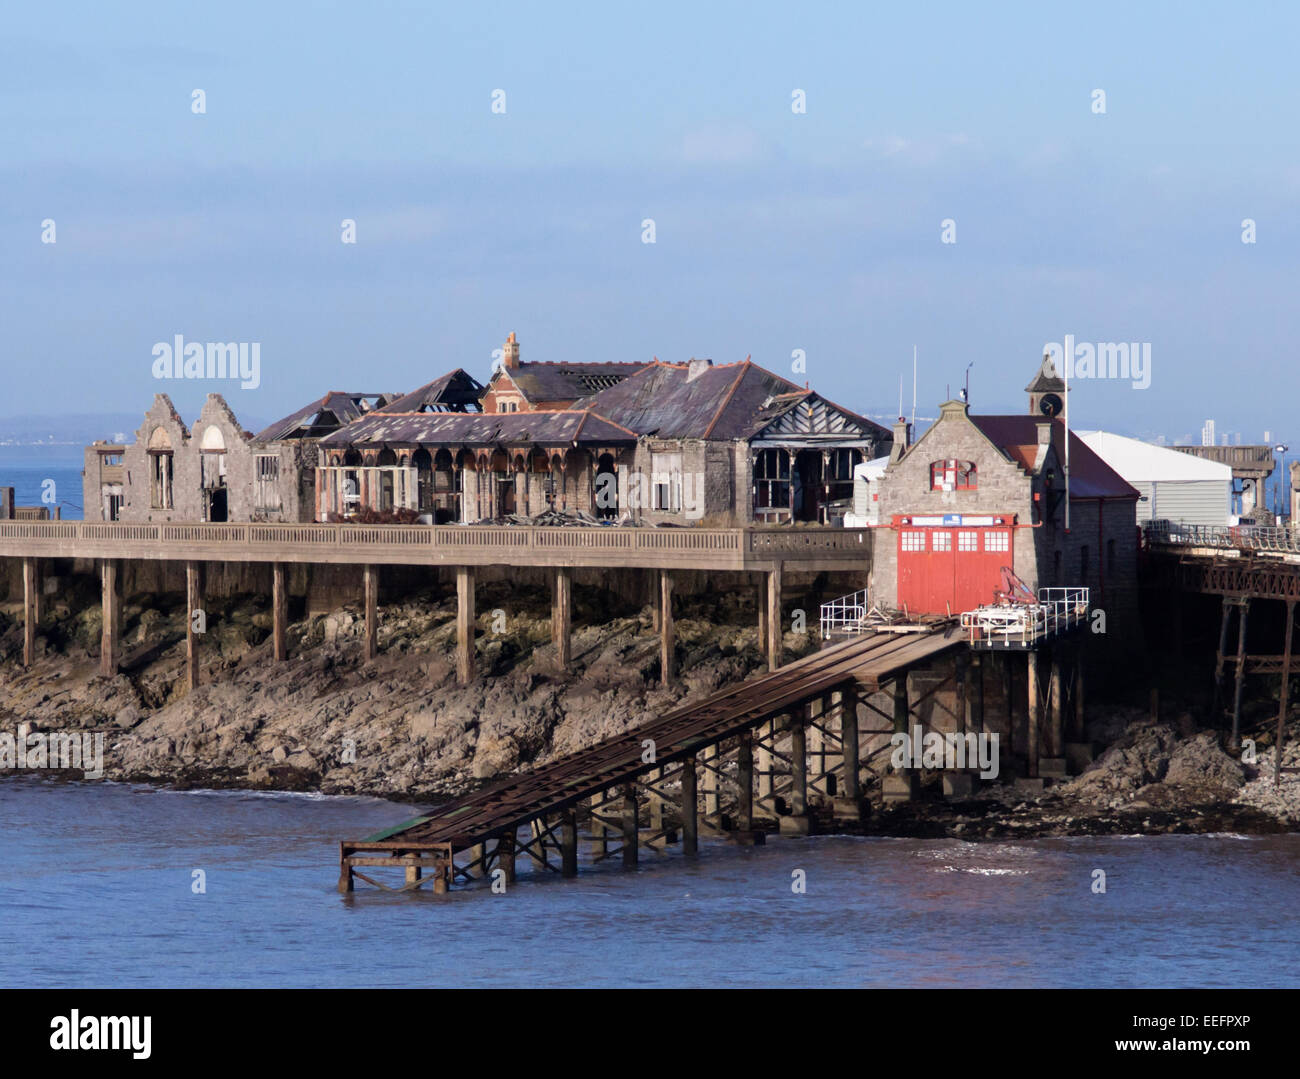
[[901, 433], [510, 360], [696, 368]]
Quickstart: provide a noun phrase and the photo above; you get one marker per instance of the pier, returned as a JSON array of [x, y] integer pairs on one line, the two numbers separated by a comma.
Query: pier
[[738, 764], [768, 552]]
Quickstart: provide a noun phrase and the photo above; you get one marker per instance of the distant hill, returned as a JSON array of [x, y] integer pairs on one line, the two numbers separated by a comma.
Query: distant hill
[[82, 428]]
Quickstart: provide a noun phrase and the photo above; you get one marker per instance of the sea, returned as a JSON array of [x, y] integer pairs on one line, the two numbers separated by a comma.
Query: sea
[[119, 885], [28, 468]]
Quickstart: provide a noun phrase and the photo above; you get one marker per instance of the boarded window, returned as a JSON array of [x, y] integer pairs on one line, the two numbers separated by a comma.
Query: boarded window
[[267, 482], [666, 481]]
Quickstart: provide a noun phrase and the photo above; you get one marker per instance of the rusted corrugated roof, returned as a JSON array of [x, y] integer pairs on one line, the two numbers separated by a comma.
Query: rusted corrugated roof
[[455, 391], [550, 428], [321, 417], [1090, 476]]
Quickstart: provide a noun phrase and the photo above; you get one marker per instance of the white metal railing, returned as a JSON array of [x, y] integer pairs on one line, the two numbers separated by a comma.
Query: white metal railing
[[1057, 610], [845, 615], [1269, 538]]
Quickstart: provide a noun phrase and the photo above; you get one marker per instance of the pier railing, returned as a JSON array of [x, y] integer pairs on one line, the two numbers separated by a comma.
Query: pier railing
[[1057, 611], [1267, 539], [722, 548]]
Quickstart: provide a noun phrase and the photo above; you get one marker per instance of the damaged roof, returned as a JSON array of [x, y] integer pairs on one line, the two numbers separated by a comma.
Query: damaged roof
[[557, 427], [1090, 476], [321, 417], [456, 391], [701, 400], [567, 381]]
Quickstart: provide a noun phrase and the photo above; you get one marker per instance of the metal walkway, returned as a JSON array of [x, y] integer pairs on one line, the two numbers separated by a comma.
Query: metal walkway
[[773, 713]]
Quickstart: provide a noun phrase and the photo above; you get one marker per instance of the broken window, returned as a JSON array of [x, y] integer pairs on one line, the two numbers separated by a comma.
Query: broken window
[[953, 475], [771, 479], [267, 485]]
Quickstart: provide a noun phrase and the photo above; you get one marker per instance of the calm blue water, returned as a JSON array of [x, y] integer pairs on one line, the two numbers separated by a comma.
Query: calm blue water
[[26, 468], [95, 889]]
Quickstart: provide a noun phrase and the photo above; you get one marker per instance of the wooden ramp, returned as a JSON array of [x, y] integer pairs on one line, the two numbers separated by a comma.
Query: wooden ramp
[[772, 713]]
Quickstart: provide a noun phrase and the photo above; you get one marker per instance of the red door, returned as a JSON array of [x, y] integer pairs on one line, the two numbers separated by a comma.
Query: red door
[[951, 569]]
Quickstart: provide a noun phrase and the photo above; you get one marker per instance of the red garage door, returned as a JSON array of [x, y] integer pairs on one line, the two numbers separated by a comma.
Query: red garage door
[[951, 569]]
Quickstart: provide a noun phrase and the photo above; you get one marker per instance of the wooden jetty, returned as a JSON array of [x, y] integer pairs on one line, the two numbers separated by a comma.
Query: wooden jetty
[[737, 763]]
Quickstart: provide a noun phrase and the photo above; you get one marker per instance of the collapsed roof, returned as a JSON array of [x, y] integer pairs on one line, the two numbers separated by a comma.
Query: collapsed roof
[[334, 410]]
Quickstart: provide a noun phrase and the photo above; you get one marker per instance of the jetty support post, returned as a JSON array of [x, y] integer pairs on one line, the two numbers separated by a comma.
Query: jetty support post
[[1080, 726], [345, 872], [690, 808], [111, 609], [631, 827], [762, 618], [193, 607], [569, 842], [1034, 695], [279, 612], [797, 822], [370, 587], [1241, 669], [1284, 693], [464, 624], [848, 806], [774, 617], [667, 632], [562, 616], [1056, 724], [506, 849], [31, 611], [745, 782]]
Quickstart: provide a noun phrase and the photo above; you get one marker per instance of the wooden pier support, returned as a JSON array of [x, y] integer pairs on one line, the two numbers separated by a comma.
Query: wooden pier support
[[31, 611], [279, 613], [975, 698], [1284, 693], [562, 616], [506, 850], [370, 588], [1080, 727], [193, 606], [569, 842], [667, 632], [690, 809], [745, 783], [1034, 729], [797, 822], [111, 609], [851, 776], [1055, 717], [464, 625], [1241, 671], [762, 619], [710, 782], [901, 710], [631, 828], [774, 625]]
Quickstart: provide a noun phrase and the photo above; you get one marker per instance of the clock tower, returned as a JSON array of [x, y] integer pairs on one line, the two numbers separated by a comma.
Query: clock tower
[[1046, 390]]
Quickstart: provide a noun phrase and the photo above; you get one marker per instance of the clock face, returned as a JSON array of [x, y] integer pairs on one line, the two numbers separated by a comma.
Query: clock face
[[1050, 404]]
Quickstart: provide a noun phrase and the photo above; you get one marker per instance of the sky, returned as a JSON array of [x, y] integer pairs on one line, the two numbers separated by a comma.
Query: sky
[[778, 233]]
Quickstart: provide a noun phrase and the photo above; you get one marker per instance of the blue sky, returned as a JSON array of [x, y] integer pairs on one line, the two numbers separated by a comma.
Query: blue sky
[[774, 231]]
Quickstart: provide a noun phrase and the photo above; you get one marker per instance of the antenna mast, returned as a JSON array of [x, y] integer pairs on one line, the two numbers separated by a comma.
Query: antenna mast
[[1065, 364], [913, 386]]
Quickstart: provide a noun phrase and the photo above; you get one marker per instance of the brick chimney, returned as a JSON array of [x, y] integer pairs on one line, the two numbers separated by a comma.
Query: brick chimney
[[510, 357]]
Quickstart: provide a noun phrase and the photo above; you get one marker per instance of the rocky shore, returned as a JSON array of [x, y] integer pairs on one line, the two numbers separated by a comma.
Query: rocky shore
[[398, 726]]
